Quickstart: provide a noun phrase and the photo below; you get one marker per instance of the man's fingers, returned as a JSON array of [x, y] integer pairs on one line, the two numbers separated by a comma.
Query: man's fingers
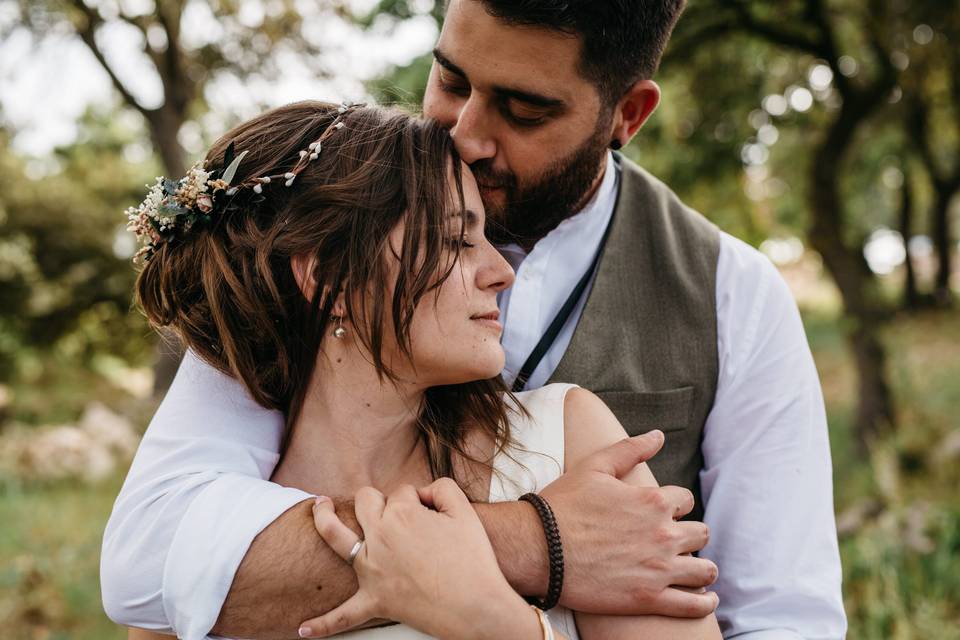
[[337, 535], [680, 499], [678, 603], [368, 504], [355, 611], [694, 536], [694, 573], [617, 459], [444, 495]]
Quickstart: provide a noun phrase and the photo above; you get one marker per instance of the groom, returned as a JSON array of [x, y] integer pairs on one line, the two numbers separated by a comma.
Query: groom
[[619, 288]]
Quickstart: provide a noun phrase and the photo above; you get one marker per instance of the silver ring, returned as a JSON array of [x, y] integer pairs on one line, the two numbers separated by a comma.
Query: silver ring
[[354, 552]]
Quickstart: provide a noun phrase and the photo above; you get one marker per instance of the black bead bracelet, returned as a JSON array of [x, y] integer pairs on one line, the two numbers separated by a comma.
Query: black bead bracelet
[[554, 551]]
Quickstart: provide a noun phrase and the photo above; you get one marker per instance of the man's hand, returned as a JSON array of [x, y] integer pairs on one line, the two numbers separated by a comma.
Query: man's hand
[[624, 549]]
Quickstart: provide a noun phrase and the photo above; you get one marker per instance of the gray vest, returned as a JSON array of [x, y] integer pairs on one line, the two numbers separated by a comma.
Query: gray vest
[[647, 340]]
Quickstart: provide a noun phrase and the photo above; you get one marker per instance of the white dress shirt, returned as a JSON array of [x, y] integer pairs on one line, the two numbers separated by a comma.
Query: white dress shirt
[[197, 493]]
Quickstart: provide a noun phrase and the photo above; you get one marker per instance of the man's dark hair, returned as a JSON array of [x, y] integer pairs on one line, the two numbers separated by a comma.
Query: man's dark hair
[[623, 40]]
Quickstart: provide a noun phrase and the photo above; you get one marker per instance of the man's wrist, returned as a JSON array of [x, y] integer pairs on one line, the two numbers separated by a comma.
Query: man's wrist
[[516, 534]]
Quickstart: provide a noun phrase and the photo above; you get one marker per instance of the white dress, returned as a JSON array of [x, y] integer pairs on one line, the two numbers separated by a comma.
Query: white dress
[[533, 463]]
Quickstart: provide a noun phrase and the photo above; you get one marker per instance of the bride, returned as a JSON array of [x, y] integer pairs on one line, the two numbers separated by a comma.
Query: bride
[[334, 261]]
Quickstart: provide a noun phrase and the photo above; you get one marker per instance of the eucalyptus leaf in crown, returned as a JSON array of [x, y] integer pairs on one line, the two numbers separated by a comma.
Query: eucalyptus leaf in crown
[[174, 207]]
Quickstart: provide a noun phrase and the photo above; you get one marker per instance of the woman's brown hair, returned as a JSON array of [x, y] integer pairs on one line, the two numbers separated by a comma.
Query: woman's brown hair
[[228, 289]]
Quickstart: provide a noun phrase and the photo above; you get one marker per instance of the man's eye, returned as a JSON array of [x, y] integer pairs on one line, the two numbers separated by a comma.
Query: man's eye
[[452, 84], [526, 116]]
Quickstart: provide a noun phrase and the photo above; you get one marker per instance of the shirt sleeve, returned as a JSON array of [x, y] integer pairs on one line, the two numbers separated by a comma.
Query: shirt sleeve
[[767, 477], [195, 497]]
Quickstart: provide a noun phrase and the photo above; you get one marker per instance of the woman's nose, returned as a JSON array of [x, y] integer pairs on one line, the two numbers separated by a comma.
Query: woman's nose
[[497, 274]]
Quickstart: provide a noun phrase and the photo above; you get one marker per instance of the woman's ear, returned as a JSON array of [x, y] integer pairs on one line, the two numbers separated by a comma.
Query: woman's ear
[[303, 267]]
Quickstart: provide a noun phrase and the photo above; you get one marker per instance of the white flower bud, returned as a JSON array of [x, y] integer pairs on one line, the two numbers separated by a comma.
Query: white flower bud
[[339, 125], [258, 188], [289, 182], [265, 180], [303, 154], [314, 155], [289, 176]]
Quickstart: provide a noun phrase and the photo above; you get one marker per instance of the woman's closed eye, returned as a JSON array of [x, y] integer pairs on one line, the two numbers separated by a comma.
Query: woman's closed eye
[[460, 242]]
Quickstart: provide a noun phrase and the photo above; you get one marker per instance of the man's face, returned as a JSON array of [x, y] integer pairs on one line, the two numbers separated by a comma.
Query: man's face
[[522, 116]]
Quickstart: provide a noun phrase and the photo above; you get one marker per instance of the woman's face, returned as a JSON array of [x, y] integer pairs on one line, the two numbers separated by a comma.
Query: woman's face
[[455, 332]]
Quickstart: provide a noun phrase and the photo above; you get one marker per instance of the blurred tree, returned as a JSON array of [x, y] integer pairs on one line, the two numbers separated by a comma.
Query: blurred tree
[[932, 118], [854, 42], [243, 39], [65, 276]]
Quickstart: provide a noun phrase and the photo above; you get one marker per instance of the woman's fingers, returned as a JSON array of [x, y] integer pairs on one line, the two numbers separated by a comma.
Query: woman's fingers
[[693, 572], [368, 505], [404, 493], [337, 535], [355, 611], [444, 495]]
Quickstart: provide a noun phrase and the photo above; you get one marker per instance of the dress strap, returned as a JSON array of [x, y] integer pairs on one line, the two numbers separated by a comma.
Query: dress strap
[[537, 456]]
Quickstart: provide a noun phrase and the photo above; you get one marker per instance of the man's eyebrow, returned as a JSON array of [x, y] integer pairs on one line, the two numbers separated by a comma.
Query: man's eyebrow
[[535, 99], [444, 62]]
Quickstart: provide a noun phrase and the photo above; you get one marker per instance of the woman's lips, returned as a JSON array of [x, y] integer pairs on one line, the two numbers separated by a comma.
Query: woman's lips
[[490, 319]]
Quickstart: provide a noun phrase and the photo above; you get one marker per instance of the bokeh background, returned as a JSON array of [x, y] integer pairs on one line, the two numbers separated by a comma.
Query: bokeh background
[[825, 132]]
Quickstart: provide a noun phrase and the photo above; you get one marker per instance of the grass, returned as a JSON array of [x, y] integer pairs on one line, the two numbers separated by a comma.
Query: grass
[[901, 566], [49, 561]]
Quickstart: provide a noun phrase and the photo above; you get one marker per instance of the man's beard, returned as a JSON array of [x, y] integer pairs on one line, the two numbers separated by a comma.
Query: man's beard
[[531, 212]]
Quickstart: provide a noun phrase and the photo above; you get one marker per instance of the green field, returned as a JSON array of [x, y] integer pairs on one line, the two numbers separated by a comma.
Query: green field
[[900, 511]]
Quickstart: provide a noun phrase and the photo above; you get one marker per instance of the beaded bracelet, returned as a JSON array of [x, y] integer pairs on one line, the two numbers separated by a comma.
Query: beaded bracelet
[[554, 551]]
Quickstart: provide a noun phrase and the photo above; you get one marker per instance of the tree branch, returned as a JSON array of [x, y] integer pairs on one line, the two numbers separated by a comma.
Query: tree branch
[[773, 33], [87, 33]]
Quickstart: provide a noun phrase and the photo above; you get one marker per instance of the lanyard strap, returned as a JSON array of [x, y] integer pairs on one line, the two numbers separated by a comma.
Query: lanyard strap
[[548, 338]]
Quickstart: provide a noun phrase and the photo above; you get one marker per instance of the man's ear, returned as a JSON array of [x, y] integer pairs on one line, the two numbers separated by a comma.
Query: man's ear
[[632, 111]]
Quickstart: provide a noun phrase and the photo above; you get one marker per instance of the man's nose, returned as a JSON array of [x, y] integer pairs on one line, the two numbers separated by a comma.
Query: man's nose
[[472, 134]]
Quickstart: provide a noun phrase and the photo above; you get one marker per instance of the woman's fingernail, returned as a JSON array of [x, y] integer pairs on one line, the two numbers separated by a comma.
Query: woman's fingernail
[[321, 500], [305, 632]]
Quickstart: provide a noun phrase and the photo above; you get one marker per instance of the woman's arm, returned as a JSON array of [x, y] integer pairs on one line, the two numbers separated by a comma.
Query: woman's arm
[[589, 426]]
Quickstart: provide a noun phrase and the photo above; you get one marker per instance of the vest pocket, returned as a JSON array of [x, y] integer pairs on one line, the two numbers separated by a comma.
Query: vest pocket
[[642, 411]]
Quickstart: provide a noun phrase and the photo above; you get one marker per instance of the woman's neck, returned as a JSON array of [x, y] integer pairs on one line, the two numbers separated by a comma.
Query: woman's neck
[[354, 430]]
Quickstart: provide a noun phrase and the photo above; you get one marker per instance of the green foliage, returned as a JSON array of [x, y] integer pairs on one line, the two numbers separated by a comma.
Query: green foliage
[[66, 281]]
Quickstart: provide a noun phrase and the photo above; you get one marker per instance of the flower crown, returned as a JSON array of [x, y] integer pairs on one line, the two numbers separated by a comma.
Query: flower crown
[[173, 208]]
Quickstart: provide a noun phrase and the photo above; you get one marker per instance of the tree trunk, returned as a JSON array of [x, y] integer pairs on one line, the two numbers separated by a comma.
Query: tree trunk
[[911, 297], [942, 241], [875, 412], [164, 126]]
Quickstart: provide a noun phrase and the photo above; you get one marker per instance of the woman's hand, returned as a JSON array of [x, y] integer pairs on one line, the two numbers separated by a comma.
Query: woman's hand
[[425, 561]]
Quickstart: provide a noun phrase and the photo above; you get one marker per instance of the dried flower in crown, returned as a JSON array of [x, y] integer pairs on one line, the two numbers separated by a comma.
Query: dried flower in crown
[[174, 208]]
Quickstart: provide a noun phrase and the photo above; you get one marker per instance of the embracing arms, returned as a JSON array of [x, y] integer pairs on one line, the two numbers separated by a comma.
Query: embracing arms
[[196, 507]]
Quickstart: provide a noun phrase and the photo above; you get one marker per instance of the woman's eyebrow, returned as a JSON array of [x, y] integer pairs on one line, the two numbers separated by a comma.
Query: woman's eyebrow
[[470, 217]]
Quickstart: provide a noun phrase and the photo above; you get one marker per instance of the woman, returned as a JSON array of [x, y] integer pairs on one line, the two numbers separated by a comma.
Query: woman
[[334, 261]]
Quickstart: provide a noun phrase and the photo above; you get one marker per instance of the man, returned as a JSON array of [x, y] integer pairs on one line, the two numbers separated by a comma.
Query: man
[[673, 323]]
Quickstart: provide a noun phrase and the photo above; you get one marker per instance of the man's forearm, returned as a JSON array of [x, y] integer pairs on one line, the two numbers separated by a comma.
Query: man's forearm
[[518, 541], [287, 575]]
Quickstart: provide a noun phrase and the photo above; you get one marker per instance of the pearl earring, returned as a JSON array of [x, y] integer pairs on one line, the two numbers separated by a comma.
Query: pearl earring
[[339, 332]]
